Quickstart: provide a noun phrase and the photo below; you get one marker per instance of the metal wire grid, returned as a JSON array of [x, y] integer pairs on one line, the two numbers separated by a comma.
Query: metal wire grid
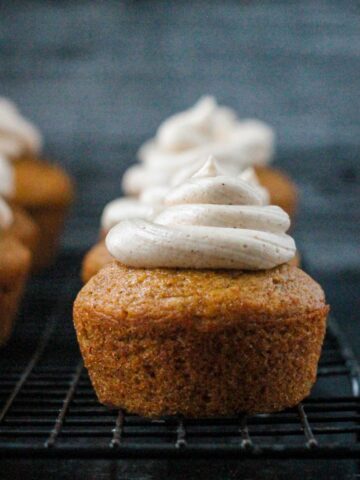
[[48, 407]]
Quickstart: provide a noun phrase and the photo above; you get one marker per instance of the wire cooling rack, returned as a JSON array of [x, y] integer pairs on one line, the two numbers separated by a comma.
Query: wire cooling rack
[[48, 407]]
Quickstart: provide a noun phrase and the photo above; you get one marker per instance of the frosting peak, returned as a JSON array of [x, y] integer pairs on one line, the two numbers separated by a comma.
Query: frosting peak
[[210, 169], [17, 134], [213, 220]]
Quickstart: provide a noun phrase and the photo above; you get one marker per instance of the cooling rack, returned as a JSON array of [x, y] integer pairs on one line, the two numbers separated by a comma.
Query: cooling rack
[[48, 407]]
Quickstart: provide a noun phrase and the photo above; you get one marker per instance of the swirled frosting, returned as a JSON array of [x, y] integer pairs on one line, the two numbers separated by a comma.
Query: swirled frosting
[[7, 177], [124, 209], [203, 130], [152, 199], [17, 134], [6, 216], [213, 220]]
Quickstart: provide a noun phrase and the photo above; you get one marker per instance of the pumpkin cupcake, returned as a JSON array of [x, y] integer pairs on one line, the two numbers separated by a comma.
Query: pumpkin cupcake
[[43, 189], [15, 260], [200, 314], [210, 129]]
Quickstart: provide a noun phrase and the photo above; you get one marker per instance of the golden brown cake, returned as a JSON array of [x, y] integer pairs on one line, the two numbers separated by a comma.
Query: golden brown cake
[[200, 342], [15, 260], [45, 191]]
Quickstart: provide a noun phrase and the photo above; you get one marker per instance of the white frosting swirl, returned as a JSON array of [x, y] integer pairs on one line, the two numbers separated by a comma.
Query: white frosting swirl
[[6, 215], [205, 129], [7, 177], [211, 221], [151, 200], [124, 209], [154, 195], [17, 134]]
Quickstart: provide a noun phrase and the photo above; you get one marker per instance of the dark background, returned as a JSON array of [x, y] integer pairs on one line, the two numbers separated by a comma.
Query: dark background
[[98, 77]]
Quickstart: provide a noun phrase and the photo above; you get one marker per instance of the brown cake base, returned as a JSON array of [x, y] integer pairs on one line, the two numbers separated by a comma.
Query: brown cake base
[[200, 343], [15, 260]]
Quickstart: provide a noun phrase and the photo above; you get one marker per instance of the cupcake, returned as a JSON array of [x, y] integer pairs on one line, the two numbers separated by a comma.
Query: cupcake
[[200, 314], [42, 189], [149, 203], [22, 226], [204, 129], [15, 260]]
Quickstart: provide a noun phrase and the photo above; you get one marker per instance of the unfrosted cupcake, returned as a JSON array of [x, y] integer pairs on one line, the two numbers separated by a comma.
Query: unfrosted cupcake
[[205, 129], [43, 189], [201, 314], [15, 260]]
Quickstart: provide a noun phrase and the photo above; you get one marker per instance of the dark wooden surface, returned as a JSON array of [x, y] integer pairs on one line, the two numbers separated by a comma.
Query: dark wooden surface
[[98, 77]]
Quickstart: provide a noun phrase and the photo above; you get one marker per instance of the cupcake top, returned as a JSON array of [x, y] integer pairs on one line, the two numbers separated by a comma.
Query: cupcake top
[[17, 134], [6, 215], [204, 129], [213, 220], [7, 177]]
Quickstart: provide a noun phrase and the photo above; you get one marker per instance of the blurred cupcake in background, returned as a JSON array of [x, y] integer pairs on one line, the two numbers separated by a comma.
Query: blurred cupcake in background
[[208, 128], [22, 227], [44, 190], [15, 261]]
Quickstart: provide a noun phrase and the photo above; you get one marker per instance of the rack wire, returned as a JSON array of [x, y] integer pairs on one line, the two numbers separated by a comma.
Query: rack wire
[[49, 409]]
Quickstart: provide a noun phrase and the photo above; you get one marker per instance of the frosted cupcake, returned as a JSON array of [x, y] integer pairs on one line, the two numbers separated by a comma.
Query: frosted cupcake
[[201, 314], [15, 260], [44, 190], [204, 129]]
